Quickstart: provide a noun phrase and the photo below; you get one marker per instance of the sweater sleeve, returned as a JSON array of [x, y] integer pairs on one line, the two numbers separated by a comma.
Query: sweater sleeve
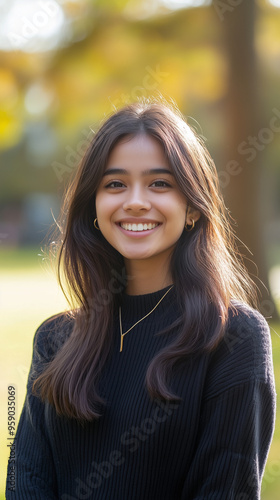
[[34, 469], [237, 416]]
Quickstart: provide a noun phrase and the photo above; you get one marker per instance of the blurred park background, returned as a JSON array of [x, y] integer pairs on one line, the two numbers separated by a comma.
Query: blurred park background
[[66, 65]]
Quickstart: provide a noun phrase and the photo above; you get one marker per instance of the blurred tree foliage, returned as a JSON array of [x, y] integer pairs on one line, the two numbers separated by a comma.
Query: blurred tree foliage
[[114, 57], [222, 73], [120, 58]]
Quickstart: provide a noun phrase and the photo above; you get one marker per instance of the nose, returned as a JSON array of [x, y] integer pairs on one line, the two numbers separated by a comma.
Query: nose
[[136, 200]]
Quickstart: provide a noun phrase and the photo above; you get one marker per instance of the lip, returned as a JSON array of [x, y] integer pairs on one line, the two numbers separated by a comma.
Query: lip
[[134, 220], [137, 234]]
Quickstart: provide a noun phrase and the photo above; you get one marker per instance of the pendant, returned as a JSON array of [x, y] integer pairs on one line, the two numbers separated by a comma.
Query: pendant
[[121, 346]]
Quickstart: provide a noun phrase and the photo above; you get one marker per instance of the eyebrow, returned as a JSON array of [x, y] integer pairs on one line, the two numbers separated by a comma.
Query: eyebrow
[[122, 171]]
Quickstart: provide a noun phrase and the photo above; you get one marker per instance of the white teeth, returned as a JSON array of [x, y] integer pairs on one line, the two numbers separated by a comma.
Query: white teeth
[[137, 227]]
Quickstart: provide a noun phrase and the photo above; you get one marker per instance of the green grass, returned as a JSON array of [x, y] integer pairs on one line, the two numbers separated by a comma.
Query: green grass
[[271, 479], [29, 294], [12, 259]]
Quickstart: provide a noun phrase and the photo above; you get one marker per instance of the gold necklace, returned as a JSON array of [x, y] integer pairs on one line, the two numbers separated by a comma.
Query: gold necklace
[[120, 318]]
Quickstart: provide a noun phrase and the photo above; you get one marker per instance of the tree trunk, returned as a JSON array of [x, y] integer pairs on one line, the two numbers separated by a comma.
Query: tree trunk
[[241, 173]]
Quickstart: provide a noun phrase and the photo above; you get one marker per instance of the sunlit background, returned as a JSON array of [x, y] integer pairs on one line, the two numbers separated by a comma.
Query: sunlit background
[[66, 65]]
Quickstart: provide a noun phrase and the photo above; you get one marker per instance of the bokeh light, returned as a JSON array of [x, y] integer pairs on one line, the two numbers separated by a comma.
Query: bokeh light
[[31, 25]]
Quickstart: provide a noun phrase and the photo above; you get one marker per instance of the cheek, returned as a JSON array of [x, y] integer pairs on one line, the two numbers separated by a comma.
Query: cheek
[[102, 205], [178, 221], [177, 210]]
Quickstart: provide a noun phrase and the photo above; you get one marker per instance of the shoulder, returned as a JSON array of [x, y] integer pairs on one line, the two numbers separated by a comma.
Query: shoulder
[[51, 334], [247, 332], [245, 353]]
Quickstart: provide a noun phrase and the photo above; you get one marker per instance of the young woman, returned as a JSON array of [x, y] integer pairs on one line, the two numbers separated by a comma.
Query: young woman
[[158, 384]]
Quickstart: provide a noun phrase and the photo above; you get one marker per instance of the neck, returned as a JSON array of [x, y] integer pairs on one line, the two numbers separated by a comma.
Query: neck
[[145, 278]]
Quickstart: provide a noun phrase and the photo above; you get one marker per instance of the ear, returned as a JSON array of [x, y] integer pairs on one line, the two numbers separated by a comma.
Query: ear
[[192, 215]]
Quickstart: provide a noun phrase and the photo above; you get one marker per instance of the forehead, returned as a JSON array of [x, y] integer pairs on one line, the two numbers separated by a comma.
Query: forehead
[[141, 150]]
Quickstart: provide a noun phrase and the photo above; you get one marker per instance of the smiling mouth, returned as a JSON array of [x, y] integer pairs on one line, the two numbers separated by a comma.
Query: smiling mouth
[[138, 227]]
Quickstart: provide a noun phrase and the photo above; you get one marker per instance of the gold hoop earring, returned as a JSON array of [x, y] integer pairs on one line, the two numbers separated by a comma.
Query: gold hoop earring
[[187, 225], [95, 224]]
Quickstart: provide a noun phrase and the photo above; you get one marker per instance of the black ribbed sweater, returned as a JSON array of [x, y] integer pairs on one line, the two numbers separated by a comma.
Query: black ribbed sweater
[[213, 444]]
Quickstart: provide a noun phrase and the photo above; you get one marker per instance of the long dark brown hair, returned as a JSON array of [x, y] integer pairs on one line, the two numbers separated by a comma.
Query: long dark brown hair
[[206, 266]]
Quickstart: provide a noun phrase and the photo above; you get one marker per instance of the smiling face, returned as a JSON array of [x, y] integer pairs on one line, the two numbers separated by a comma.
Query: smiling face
[[141, 211]]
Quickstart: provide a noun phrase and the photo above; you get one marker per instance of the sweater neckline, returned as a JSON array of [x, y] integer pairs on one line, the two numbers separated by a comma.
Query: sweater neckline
[[135, 306]]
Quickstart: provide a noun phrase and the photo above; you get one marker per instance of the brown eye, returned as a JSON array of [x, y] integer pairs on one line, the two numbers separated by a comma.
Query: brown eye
[[115, 184], [160, 184]]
